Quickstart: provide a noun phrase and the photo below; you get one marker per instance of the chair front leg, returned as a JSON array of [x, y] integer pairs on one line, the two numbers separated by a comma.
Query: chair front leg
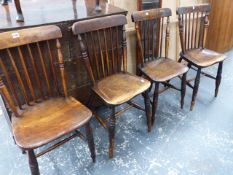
[[111, 130], [147, 109], [183, 90], [155, 101], [218, 78], [195, 89], [90, 140], [33, 163]]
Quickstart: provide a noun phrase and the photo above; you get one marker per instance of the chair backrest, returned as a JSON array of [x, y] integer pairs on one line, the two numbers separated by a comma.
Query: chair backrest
[[102, 43], [193, 24], [27, 65], [152, 28]]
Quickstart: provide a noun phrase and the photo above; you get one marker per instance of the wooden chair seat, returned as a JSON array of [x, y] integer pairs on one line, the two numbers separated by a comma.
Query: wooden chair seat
[[163, 69], [48, 120], [120, 88], [203, 57]]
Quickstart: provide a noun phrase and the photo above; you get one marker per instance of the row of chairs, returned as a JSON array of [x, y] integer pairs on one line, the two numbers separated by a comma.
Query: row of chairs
[[33, 79]]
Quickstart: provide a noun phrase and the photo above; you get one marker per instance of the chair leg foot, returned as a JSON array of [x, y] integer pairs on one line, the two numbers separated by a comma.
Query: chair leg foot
[[218, 78], [19, 17], [183, 90], [90, 140], [111, 130], [195, 89], [148, 110], [155, 102], [4, 2], [33, 163]]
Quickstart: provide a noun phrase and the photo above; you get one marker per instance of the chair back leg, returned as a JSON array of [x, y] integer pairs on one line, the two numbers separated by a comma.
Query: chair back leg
[[183, 90], [33, 163], [218, 78]]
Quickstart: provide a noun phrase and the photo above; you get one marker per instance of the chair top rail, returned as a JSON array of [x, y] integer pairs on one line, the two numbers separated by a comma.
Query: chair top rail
[[31, 35]]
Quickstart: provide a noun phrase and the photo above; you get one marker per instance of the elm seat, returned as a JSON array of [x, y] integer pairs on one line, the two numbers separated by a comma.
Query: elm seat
[[120, 88], [163, 69], [203, 57], [47, 121]]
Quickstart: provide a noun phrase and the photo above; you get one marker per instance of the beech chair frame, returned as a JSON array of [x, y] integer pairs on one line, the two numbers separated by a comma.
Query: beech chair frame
[[153, 47], [193, 26], [107, 62], [25, 87]]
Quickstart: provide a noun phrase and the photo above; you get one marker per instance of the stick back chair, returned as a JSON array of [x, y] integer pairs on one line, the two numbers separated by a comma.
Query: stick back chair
[[103, 47], [35, 90], [152, 35], [193, 25]]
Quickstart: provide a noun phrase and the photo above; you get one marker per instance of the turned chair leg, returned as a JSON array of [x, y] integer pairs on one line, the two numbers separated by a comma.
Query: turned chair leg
[[147, 109], [155, 102], [218, 78], [195, 89], [19, 17], [183, 90], [111, 130], [4, 2], [90, 141], [33, 163]]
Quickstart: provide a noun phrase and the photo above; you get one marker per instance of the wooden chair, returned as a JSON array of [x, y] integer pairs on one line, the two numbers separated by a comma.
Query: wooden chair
[[193, 24], [19, 17], [31, 83], [105, 58], [153, 62]]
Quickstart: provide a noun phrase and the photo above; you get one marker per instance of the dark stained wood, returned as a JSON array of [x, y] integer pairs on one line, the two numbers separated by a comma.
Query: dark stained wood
[[203, 57], [107, 69], [37, 120], [158, 68], [78, 83], [192, 38]]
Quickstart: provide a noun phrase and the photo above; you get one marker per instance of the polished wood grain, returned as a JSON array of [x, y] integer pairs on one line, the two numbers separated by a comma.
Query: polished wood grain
[[203, 57], [43, 112], [193, 25], [107, 68], [220, 35], [154, 62], [48, 121], [123, 90]]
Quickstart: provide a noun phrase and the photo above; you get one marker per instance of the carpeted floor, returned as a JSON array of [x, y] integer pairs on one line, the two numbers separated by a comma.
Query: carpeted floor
[[181, 143]]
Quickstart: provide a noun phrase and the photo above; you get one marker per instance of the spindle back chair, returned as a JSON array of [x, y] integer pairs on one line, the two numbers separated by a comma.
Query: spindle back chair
[[153, 31], [193, 26], [33, 84], [153, 34], [102, 43]]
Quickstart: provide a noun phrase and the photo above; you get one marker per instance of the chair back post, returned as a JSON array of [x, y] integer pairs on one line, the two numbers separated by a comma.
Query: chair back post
[[167, 42], [61, 67], [206, 25], [85, 58], [145, 24], [4, 91], [193, 24], [124, 46]]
